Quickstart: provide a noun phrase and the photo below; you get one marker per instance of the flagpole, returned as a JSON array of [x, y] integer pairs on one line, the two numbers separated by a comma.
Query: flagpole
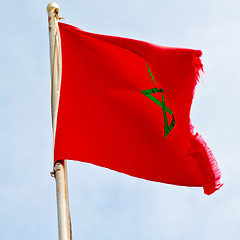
[[60, 168]]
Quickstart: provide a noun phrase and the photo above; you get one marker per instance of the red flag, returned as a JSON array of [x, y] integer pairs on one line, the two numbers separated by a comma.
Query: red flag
[[125, 105]]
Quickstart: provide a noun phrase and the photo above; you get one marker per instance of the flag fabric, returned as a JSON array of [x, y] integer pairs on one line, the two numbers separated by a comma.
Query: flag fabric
[[125, 105]]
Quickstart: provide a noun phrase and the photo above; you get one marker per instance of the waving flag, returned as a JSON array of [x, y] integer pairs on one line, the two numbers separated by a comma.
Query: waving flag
[[125, 105]]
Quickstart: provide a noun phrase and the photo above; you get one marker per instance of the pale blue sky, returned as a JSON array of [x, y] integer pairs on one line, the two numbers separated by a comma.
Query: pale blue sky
[[105, 204]]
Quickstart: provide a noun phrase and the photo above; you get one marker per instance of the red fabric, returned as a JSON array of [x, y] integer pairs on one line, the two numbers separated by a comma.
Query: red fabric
[[106, 120]]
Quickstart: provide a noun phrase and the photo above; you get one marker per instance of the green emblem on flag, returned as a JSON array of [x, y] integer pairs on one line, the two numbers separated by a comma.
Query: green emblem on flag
[[148, 93]]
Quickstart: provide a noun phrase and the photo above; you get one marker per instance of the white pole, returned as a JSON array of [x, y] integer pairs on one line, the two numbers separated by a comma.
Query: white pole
[[60, 171]]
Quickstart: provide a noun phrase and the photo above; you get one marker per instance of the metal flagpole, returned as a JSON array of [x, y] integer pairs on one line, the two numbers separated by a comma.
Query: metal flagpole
[[60, 170]]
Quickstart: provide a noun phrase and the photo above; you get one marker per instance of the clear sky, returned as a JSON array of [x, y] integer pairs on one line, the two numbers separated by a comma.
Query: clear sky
[[105, 204]]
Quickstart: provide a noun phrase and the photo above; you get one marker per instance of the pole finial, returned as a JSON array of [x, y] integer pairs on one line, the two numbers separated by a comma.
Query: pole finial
[[52, 7]]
